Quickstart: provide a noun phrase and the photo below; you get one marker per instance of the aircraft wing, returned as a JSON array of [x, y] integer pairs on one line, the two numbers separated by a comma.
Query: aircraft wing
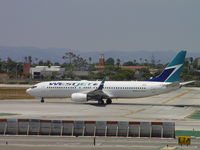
[[98, 93]]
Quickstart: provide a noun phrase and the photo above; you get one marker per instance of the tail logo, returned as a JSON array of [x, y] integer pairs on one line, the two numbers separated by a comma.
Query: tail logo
[[172, 72]]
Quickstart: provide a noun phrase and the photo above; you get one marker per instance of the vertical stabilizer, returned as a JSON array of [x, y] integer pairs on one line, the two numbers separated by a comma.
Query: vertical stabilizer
[[173, 70]]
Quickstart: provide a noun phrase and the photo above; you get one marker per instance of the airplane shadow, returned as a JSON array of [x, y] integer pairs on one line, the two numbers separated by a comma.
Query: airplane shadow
[[143, 104], [153, 104], [74, 103], [128, 104]]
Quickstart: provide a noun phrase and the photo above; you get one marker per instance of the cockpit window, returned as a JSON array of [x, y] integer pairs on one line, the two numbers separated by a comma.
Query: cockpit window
[[33, 87]]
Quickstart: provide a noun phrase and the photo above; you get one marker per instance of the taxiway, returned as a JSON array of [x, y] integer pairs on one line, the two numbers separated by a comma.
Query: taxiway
[[176, 106]]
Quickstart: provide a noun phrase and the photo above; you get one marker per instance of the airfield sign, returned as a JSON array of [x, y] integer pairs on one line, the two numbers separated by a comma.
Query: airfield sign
[[184, 140]]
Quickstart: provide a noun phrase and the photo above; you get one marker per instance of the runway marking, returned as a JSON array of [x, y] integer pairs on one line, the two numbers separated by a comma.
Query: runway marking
[[132, 112], [176, 97], [168, 148], [194, 115]]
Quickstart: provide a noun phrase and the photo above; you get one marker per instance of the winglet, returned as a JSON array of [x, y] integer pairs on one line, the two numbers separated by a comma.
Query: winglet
[[101, 84]]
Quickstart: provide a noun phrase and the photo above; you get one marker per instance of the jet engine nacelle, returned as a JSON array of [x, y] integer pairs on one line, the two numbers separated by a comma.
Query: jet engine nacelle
[[79, 97]]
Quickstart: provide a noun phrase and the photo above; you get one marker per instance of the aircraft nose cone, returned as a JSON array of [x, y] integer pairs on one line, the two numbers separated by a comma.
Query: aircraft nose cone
[[28, 91]]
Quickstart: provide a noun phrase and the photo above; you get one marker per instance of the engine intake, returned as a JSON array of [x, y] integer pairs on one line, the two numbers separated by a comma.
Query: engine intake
[[79, 97]]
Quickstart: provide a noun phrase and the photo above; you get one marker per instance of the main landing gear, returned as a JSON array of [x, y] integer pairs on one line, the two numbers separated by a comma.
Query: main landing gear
[[108, 101], [100, 101], [42, 100]]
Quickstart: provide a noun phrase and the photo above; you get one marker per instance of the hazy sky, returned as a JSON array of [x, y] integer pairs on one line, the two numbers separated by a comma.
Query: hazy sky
[[89, 25]]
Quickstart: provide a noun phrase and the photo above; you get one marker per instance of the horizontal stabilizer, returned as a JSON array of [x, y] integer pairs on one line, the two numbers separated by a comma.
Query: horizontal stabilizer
[[188, 82], [173, 84]]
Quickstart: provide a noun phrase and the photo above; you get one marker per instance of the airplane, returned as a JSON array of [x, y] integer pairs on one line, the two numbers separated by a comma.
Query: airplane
[[83, 91]]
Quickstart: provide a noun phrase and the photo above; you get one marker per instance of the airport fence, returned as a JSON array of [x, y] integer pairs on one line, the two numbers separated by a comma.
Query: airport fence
[[87, 128]]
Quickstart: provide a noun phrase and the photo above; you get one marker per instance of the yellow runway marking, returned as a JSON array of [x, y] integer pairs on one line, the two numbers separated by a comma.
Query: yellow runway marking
[[176, 97], [193, 113], [168, 148], [132, 112]]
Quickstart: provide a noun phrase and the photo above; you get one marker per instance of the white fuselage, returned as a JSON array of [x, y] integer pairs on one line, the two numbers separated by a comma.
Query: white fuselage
[[114, 89]]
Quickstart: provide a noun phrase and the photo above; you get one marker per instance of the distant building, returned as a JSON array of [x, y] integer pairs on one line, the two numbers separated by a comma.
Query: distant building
[[101, 60], [42, 71], [26, 68], [197, 61]]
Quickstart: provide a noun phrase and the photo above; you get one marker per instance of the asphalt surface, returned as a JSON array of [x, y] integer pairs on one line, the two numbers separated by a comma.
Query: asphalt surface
[[75, 143], [176, 106]]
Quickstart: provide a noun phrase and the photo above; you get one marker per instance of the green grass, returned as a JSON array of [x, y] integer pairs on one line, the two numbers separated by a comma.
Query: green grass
[[187, 133], [14, 93], [195, 115], [6, 114]]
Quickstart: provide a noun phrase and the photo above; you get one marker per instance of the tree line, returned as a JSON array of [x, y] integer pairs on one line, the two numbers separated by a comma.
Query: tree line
[[112, 70]]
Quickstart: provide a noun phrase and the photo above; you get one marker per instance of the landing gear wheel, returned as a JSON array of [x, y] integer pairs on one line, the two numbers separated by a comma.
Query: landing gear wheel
[[42, 100], [109, 101], [100, 102]]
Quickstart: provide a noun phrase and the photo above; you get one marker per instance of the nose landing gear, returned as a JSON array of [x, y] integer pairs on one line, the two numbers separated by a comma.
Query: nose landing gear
[[42, 100]]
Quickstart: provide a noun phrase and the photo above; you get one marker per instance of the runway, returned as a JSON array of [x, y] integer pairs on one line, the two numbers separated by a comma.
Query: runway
[[87, 143], [176, 106]]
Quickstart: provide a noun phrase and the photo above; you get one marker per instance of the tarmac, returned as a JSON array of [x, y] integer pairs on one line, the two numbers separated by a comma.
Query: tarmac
[[176, 106], [91, 143]]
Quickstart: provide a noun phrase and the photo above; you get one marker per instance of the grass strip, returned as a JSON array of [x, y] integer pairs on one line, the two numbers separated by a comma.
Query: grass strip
[[195, 115], [14, 93], [187, 133], [7, 114]]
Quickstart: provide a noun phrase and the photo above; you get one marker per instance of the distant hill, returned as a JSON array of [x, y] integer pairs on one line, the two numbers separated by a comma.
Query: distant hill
[[55, 54]]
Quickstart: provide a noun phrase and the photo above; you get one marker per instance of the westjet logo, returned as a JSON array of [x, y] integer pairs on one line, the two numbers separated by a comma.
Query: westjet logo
[[73, 83]]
